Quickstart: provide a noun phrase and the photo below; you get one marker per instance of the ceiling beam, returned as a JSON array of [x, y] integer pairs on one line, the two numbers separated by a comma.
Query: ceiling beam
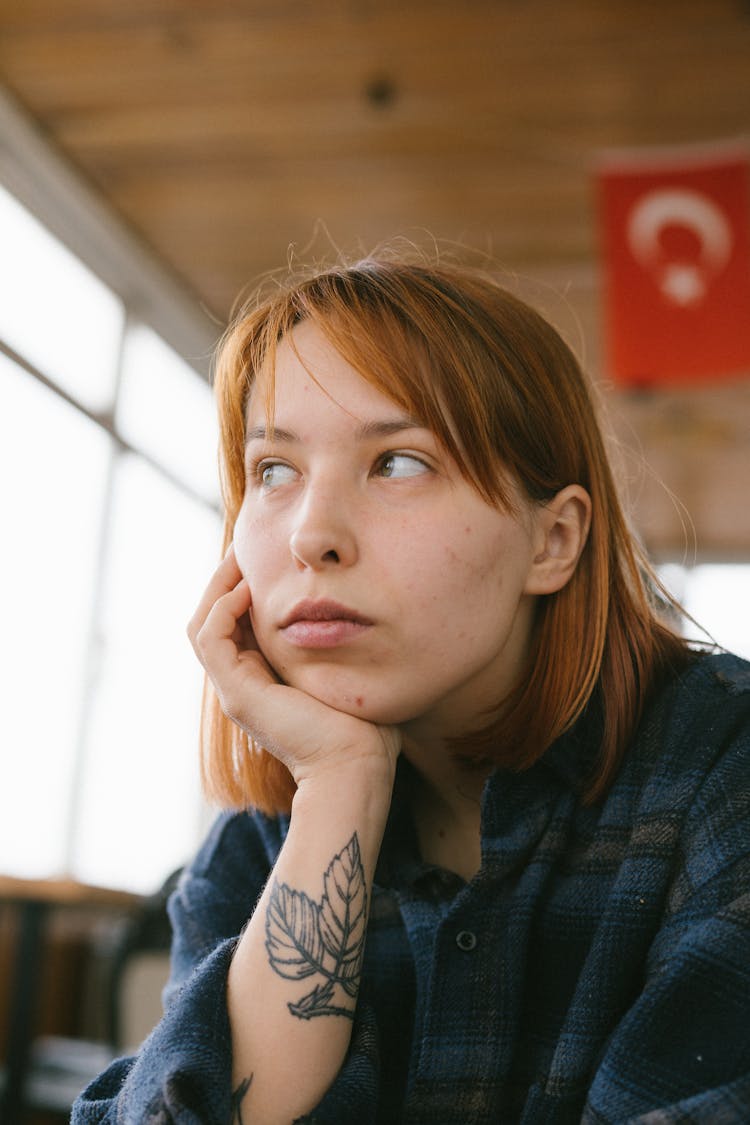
[[61, 198]]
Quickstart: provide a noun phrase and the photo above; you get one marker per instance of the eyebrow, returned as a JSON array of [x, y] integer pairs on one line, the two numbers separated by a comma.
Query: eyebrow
[[366, 430]]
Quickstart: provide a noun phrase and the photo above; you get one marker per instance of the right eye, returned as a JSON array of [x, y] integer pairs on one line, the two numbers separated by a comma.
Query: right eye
[[271, 474]]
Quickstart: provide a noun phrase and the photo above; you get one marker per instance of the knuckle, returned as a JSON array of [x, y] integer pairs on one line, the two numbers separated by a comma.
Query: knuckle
[[230, 705], [201, 642]]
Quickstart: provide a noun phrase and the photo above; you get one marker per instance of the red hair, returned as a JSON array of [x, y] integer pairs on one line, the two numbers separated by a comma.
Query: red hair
[[506, 397]]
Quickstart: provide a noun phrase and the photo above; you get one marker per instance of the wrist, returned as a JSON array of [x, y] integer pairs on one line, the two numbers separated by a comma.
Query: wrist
[[367, 758], [357, 781]]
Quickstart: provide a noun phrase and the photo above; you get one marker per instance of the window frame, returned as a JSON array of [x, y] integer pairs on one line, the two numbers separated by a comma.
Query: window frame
[[51, 189]]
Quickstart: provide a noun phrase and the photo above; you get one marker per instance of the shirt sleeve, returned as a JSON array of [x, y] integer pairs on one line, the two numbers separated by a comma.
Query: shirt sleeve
[[354, 1095], [682, 1052], [182, 1072]]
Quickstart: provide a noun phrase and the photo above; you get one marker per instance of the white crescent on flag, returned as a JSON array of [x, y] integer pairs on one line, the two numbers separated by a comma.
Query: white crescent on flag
[[681, 281]]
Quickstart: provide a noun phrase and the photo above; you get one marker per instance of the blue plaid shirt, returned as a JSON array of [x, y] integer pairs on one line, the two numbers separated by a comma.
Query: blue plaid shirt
[[597, 968]]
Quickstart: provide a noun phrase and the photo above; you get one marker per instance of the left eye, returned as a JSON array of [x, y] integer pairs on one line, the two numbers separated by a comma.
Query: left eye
[[401, 465]]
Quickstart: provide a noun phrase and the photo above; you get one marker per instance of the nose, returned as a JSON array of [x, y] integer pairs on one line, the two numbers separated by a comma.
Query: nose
[[323, 534]]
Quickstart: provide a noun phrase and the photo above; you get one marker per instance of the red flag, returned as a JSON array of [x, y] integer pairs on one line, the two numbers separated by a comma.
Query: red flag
[[675, 229]]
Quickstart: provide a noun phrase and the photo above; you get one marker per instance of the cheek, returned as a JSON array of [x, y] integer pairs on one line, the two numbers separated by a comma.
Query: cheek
[[469, 575], [455, 565], [259, 561], [253, 546], [245, 556]]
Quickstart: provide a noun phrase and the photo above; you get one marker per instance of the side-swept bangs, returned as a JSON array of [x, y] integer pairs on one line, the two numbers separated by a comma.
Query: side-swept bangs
[[506, 397]]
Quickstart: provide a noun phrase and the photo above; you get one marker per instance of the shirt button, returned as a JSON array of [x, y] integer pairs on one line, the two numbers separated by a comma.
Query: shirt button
[[466, 940]]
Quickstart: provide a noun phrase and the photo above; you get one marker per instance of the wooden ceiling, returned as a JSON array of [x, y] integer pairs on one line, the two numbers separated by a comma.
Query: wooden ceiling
[[229, 135]]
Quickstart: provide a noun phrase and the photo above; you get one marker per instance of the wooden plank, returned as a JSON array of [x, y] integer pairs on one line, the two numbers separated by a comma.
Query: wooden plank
[[64, 892]]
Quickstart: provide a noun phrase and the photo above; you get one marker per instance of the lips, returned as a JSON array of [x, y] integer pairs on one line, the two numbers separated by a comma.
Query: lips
[[323, 624], [323, 611]]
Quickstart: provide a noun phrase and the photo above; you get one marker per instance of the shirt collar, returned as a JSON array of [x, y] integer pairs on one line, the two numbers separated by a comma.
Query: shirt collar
[[508, 798]]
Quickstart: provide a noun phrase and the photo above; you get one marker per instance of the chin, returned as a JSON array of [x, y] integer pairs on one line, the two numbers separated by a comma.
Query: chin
[[352, 695], [357, 702]]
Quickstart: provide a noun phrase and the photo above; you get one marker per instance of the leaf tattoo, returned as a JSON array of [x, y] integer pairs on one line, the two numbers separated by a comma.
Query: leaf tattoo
[[325, 939], [293, 939]]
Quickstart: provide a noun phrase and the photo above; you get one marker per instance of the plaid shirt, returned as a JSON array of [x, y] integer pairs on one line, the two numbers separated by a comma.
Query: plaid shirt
[[597, 969]]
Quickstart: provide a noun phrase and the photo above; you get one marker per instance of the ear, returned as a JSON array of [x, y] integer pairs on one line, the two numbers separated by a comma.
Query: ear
[[561, 528]]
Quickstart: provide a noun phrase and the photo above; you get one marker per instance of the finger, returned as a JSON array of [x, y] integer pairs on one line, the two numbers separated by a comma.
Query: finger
[[215, 642], [244, 634], [225, 578], [239, 677]]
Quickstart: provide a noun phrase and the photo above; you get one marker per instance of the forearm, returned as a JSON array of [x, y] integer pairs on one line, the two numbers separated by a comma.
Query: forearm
[[293, 983]]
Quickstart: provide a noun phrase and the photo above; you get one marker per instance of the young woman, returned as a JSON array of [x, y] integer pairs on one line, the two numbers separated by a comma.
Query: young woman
[[487, 850]]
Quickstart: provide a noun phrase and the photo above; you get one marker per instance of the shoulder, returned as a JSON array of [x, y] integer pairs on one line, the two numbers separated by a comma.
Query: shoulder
[[696, 726], [715, 675], [218, 889], [712, 713], [683, 791], [236, 841], [694, 749], [699, 717]]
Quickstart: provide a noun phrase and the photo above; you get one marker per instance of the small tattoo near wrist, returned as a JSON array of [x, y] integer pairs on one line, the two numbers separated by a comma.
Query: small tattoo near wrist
[[238, 1096], [323, 939]]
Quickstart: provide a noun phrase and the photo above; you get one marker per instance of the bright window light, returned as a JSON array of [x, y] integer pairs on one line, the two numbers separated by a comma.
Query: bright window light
[[104, 559], [167, 410], [718, 597], [54, 311], [140, 807], [53, 467]]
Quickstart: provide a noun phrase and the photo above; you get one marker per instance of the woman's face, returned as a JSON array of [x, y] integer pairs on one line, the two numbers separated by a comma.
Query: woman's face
[[381, 581]]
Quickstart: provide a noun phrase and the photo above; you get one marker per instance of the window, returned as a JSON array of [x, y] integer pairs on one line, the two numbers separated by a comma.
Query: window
[[716, 597], [111, 527], [55, 312]]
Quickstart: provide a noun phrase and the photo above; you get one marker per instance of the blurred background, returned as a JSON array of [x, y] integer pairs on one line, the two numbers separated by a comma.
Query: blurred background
[[159, 155]]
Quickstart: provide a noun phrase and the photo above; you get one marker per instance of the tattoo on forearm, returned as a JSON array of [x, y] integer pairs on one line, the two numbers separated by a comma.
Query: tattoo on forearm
[[238, 1096], [323, 939]]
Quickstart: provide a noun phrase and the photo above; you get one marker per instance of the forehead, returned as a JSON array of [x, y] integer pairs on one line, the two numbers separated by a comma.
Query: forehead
[[309, 374]]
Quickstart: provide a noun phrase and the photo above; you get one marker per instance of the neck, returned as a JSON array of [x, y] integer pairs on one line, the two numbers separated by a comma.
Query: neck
[[450, 780], [446, 806]]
